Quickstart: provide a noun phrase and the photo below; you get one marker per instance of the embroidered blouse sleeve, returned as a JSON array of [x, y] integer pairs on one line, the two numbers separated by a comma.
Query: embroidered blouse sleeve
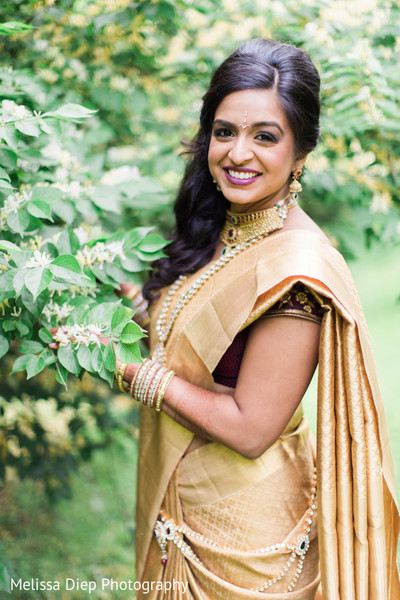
[[299, 301]]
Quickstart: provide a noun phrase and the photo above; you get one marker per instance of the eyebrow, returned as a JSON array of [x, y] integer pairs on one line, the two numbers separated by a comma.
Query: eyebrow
[[254, 125]]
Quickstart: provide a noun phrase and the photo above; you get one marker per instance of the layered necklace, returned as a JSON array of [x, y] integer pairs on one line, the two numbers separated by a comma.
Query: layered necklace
[[241, 230]]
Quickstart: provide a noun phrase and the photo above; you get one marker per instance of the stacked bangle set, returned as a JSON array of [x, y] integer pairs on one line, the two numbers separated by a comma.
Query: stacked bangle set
[[149, 383]]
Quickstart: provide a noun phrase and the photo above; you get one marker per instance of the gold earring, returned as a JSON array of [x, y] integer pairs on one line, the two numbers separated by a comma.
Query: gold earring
[[217, 184], [295, 186]]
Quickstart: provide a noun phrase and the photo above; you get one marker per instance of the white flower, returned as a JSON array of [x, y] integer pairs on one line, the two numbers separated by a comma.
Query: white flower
[[79, 335], [116, 249], [39, 259], [53, 151], [100, 253], [123, 174], [81, 234], [62, 336], [121, 154], [41, 45], [79, 69], [15, 111], [76, 290], [12, 202], [75, 190], [61, 311], [380, 202], [95, 329]]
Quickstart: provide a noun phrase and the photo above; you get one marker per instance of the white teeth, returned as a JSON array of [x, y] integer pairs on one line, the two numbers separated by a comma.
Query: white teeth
[[242, 174]]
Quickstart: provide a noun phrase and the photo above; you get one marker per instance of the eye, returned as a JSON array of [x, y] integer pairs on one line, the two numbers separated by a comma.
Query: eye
[[222, 132], [265, 136]]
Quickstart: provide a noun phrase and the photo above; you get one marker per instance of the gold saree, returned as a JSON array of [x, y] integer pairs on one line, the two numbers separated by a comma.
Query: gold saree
[[245, 505]]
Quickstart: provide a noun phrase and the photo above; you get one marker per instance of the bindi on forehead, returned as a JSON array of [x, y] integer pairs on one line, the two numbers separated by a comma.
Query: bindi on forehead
[[244, 123]]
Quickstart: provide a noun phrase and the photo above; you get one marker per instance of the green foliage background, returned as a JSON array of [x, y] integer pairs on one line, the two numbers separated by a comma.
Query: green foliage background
[[144, 66]]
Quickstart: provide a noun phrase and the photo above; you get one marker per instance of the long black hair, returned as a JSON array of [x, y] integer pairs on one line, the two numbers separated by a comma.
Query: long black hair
[[199, 208]]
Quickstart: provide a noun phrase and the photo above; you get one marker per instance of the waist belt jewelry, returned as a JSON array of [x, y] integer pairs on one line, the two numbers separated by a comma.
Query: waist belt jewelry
[[166, 530]]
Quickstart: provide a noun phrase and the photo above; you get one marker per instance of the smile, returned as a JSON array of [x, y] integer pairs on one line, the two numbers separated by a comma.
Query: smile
[[241, 177]]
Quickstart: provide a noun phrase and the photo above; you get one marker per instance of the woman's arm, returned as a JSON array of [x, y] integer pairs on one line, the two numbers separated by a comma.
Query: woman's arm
[[278, 363]]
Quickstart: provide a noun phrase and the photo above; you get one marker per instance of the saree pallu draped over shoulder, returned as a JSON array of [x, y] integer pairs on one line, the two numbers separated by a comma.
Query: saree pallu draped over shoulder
[[236, 520]]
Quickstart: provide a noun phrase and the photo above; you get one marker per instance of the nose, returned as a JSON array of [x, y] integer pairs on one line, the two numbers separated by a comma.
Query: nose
[[240, 151]]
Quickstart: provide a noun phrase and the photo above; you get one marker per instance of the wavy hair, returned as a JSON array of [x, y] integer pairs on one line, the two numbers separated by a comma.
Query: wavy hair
[[199, 208]]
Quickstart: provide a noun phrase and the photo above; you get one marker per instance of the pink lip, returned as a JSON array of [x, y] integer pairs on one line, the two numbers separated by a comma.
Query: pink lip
[[237, 181]]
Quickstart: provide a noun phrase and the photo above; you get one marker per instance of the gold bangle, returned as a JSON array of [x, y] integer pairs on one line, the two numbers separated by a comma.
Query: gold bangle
[[135, 377], [162, 389], [120, 377]]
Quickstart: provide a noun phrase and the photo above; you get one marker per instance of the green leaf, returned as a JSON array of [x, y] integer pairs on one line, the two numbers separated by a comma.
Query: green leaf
[[5, 245], [10, 136], [102, 312], [8, 158], [132, 263], [4, 345], [35, 306], [48, 357], [96, 359], [68, 262], [48, 193], [117, 273], [34, 366], [152, 243], [107, 375], [67, 358], [71, 112], [28, 127], [61, 375], [128, 353], [39, 209], [4, 185], [13, 27], [137, 235], [46, 336], [18, 221], [67, 268], [30, 347], [37, 280], [21, 362], [9, 324], [150, 256], [4, 174], [20, 257], [6, 281], [65, 210], [19, 280], [121, 317], [23, 327], [84, 356], [131, 333], [109, 357], [102, 275], [67, 242]]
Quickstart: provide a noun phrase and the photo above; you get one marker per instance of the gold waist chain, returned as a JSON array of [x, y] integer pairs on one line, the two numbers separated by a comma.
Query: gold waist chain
[[166, 530]]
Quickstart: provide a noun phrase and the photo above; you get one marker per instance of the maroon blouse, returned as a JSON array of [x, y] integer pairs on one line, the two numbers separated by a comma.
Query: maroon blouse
[[297, 302]]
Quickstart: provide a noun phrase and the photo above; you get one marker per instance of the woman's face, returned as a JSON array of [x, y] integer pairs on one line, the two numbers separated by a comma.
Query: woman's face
[[252, 150]]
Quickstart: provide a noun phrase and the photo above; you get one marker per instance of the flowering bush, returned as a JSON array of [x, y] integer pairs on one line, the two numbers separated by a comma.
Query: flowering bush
[[58, 270]]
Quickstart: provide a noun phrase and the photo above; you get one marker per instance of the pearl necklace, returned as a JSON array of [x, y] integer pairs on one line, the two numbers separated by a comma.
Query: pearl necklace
[[163, 325]]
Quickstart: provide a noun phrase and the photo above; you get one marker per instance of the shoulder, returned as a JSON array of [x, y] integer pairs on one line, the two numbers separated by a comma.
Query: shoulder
[[297, 219]]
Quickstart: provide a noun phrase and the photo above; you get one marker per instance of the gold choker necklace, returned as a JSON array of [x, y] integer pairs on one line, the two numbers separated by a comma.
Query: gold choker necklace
[[243, 227]]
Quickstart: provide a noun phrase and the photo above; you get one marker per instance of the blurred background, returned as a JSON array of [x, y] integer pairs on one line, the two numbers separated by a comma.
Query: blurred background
[[68, 458]]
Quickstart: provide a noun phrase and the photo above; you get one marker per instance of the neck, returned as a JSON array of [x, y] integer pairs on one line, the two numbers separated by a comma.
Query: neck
[[263, 204]]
